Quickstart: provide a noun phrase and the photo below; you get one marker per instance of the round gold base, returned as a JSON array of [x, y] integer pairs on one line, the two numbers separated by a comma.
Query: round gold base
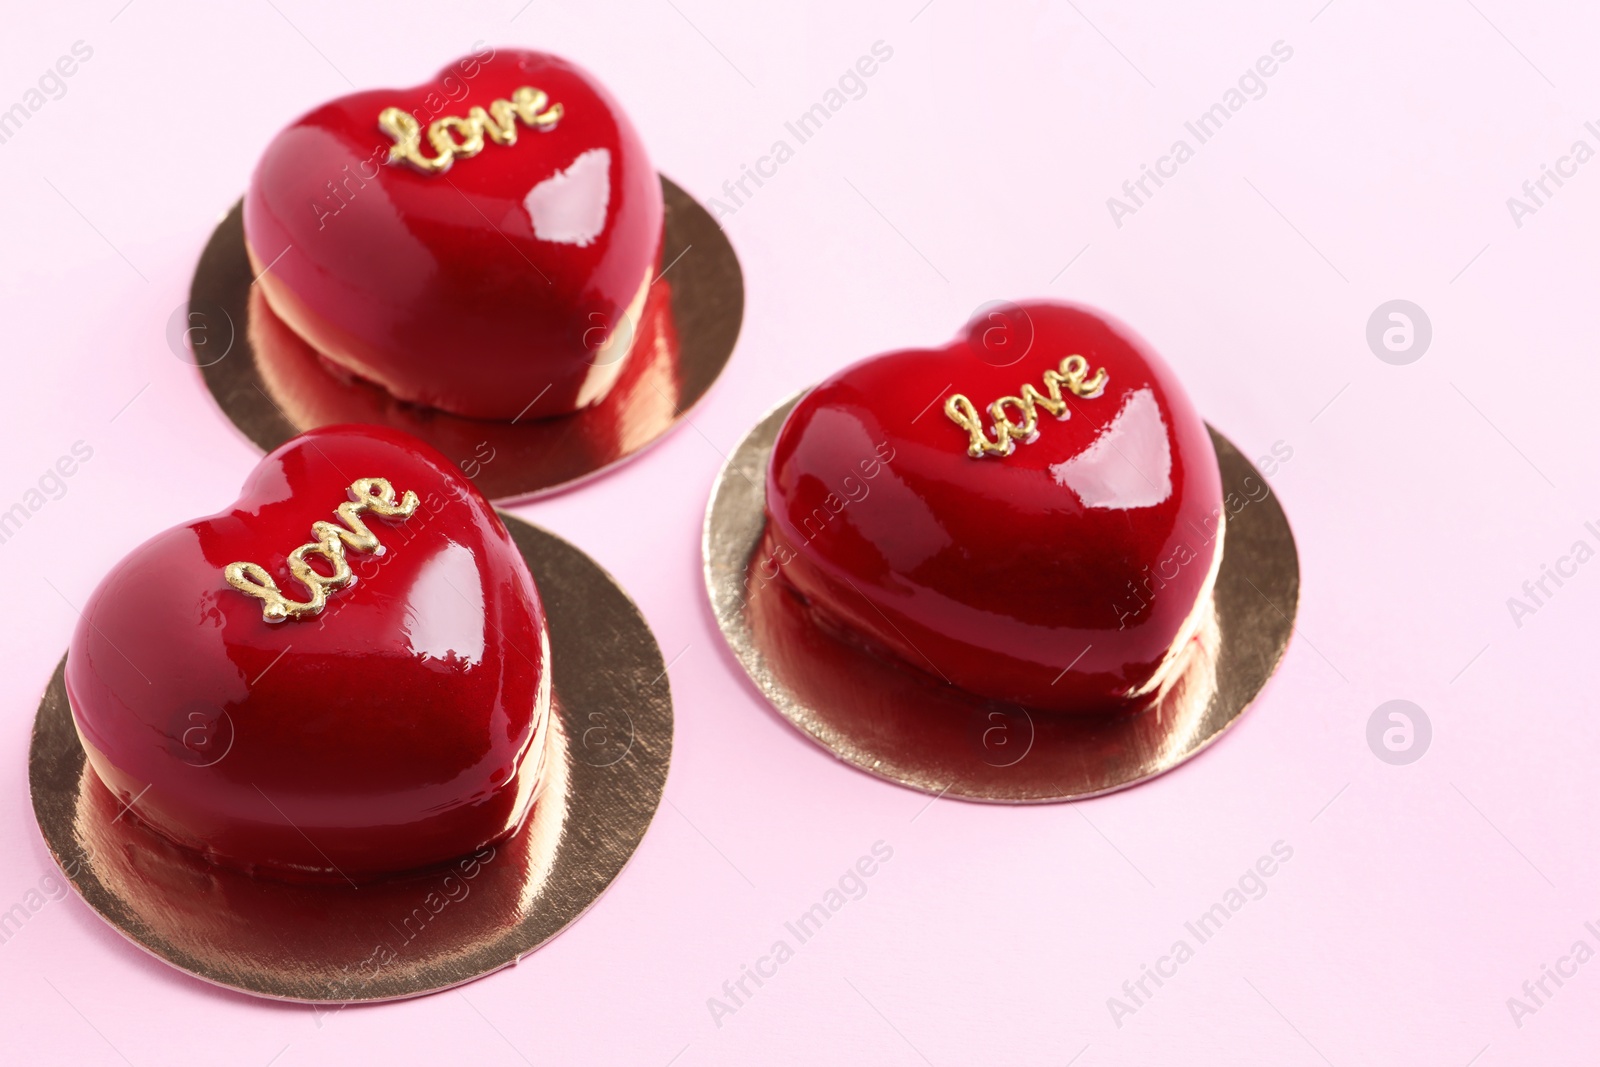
[[272, 385]]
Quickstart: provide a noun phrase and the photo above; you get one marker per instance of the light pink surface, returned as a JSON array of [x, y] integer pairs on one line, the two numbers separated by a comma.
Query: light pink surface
[[976, 166]]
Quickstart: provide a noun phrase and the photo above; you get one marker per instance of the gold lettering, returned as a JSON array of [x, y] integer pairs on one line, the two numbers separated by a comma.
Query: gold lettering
[[328, 542], [1073, 373], [451, 137]]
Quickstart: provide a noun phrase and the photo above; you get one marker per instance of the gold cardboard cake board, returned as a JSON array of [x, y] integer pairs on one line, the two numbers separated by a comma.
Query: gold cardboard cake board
[[898, 723], [605, 767], [272, 385]]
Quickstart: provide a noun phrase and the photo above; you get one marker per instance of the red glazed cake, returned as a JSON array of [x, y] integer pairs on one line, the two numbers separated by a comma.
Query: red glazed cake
[[481, 243], [1038, 521], [342, 675]]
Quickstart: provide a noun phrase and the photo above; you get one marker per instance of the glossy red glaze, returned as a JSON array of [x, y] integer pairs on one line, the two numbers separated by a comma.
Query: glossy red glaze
[[1063, 576], [648, 395], [502, 282], [398, 728]]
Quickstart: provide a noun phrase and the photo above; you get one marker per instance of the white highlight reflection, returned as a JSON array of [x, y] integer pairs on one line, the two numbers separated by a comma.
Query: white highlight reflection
[[569, 207], [1129, 465], [445, 614]]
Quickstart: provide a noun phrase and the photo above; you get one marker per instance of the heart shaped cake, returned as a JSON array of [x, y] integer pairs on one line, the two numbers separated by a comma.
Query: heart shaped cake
[[343, 675], [481, 243], [1032, 513]]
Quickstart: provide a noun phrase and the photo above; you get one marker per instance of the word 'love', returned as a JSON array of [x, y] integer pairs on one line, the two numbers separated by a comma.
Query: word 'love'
[[1074, 374], [329, 541], [498, 123]]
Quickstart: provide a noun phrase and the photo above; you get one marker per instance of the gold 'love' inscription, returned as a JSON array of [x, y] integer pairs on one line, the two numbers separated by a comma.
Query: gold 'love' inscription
[[329, 542], [1074, 374], [451, 136]]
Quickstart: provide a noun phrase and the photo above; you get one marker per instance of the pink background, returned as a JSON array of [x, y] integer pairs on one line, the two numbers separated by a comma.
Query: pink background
[[976, 166]]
